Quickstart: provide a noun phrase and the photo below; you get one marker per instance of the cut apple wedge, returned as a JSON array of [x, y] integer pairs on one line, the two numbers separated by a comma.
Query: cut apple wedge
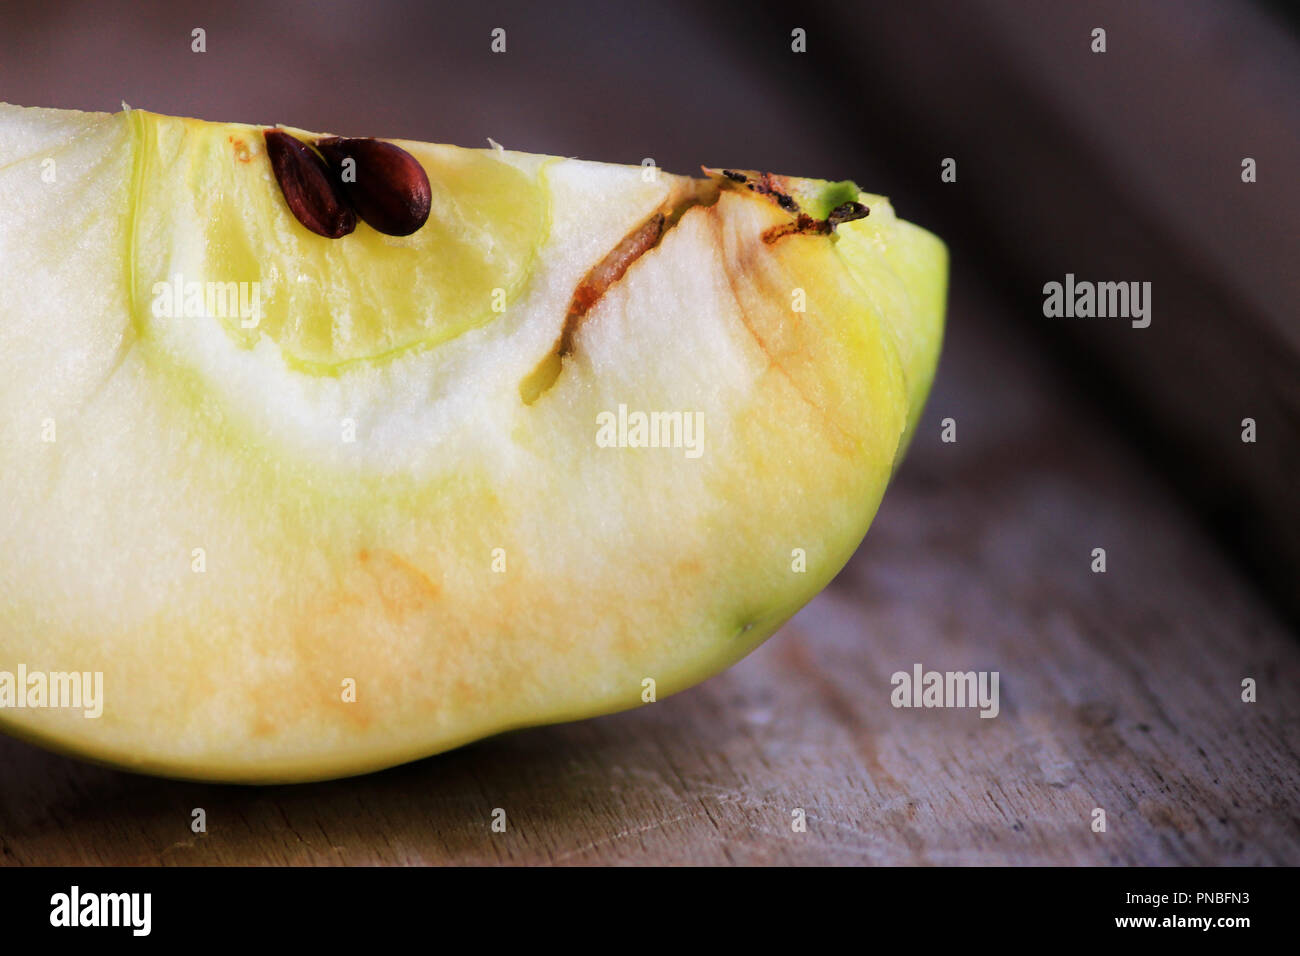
[[314, 507]]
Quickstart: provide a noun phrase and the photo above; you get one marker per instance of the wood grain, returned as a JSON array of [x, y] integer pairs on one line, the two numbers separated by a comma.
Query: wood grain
[[1119, 690]]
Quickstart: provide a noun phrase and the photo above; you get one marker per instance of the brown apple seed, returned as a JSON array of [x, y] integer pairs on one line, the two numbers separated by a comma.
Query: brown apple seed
[[309, 188], [386, 185]]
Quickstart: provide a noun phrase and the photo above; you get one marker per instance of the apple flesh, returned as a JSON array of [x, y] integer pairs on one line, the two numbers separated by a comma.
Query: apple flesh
[[342, 537]]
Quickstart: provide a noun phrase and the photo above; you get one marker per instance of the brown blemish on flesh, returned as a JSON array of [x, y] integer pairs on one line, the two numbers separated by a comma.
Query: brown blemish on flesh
[[589, 291], [765, 184], [597, 282], [241, 149], [837, 435], [773, 188], [610, 270], [804, 225], [650, 233]]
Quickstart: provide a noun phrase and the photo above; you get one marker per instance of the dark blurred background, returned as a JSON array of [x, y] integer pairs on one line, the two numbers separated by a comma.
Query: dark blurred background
[[1124, 165]]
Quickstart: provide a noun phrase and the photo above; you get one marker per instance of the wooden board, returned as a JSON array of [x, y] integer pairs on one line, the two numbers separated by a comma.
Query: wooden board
[[1118, 690]]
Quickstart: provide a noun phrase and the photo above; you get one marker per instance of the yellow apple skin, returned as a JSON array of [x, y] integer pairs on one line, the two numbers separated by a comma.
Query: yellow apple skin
[[270, 602]]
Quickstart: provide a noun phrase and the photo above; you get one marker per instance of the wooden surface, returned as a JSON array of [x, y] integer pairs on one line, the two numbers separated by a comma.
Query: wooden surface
[[1118, 690]]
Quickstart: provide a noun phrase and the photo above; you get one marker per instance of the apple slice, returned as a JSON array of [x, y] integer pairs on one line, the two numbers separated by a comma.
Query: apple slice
[[315, 506]]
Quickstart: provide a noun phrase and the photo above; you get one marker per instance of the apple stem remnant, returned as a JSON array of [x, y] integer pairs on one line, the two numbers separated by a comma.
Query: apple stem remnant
[[765, 184], [847, 212]]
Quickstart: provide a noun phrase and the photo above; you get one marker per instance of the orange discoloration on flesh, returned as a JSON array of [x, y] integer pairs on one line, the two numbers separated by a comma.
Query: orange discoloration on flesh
[[242, 152], [360, 627], [402, 587]]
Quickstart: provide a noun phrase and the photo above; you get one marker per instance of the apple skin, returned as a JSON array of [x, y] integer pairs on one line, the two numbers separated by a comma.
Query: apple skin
[[369, 564]]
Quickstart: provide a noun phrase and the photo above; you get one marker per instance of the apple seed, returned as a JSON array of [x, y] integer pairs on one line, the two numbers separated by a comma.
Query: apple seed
[[308, 187], [387, 186]]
